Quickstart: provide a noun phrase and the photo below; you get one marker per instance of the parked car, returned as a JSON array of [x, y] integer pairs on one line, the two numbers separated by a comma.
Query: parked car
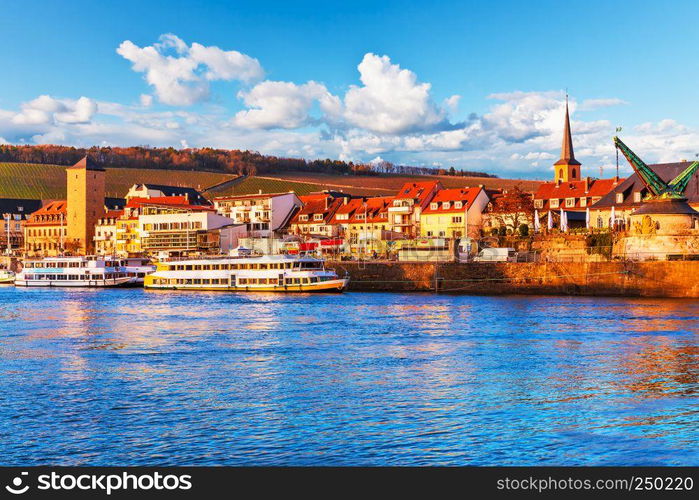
[[496, 255]]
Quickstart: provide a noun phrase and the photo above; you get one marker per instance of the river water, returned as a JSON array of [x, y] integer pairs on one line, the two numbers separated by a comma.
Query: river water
[[135, 377]]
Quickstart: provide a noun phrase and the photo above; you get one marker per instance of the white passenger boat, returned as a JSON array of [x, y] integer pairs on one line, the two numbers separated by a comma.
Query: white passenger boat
[[79, 272], [7, 277], [138, 268], [269, 273]]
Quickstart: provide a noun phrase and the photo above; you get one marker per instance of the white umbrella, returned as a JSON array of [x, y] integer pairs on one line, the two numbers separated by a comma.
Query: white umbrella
[[587, 217], [562, 225], [612, 218], [537, 225], [550, 221]]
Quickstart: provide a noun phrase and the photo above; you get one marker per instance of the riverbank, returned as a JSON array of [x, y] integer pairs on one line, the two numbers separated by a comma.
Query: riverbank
[[615, 278]]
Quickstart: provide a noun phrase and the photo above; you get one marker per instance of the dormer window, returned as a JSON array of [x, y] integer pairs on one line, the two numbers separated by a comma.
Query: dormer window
[[434, 206], [458, 204], [570, 202], [583, 202], [446, 205], [317, 217], [537, 204], [554, 202], [303, 217], [637, 197], [620, 197]]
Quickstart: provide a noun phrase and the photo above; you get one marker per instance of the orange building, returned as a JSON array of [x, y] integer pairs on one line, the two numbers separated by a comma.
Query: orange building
[[45, 231], [85, 188]]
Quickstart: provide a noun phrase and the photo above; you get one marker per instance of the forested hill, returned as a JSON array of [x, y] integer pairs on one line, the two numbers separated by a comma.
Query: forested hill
[[208, 159]]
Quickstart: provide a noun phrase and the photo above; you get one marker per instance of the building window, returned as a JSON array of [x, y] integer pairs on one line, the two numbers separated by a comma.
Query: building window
[[583, 202], [554, 202], [538, 203], [620, 197], [600, 222], [570, 202], [303, 217], [456, 220], [446, 205], [458, 204], [317, 217], [637, 197]]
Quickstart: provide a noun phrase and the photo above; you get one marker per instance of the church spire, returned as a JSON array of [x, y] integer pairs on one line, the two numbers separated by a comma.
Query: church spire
[[567, 154], [567, 168]]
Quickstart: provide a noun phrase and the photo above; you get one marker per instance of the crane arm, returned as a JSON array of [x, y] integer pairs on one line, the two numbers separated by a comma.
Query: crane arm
[[679, 183], [652, 181]]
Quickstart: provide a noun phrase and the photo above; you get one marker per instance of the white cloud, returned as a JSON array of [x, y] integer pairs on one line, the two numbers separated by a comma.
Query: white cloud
[[182, 79], [146, 100], [391, 101], [284, 104], [46, 109]]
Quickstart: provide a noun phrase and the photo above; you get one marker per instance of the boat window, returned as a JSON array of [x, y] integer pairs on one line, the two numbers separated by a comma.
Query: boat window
[[263, 266], [188, 268], [273, 281]]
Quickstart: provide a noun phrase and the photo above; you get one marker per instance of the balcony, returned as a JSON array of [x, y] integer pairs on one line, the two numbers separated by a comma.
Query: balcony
[[400, 210]]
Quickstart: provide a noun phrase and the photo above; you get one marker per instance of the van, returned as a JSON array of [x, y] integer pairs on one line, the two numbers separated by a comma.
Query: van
[[496, 255]]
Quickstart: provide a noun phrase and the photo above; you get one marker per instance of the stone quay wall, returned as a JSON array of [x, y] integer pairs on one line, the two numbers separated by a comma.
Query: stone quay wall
[[614, 278]]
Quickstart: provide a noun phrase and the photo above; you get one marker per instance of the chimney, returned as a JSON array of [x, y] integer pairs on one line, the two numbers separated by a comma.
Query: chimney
[[326, 202], [260, 192], [587, 184]]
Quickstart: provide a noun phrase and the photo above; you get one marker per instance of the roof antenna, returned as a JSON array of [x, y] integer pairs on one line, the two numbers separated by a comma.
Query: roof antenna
[[618, 129]]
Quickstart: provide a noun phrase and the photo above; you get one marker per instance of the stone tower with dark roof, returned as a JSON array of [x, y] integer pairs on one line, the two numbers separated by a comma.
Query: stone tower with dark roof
[[85, 190], [567, 168]]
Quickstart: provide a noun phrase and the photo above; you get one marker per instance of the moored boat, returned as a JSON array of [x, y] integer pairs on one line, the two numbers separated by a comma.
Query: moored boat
[[89, 272], [7, 277], [269, 273]]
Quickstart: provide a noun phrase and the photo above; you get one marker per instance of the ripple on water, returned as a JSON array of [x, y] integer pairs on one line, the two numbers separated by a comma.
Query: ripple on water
[[133, 377]]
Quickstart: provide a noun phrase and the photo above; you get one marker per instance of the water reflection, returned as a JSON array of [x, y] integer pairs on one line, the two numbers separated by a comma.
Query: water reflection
[[135, 377]]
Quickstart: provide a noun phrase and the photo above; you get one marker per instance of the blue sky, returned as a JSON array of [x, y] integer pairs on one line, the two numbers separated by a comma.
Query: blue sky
[[477, 85]]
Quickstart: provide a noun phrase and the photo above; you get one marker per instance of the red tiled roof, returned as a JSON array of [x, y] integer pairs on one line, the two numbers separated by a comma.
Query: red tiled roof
[[575, 189], [465, 195], [53, 207], [416, 190], [325, 205]]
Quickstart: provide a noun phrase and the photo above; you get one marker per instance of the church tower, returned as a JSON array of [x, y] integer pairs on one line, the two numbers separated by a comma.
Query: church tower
[[567, 168], [85, 186]]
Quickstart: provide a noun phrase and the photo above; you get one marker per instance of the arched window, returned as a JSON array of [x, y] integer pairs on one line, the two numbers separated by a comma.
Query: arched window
[[560, 175], [573, 174]]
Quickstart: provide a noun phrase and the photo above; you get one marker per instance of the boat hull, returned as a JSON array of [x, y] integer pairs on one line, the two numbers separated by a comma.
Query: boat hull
[[331, 286], [109, 283]]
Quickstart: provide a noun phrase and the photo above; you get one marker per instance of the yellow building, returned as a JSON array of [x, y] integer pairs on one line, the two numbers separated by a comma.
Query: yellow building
[[85, 188], [128, 237], [454, 213]]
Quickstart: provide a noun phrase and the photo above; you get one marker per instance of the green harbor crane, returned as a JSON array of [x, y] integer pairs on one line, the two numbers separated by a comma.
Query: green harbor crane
[[657, 188]]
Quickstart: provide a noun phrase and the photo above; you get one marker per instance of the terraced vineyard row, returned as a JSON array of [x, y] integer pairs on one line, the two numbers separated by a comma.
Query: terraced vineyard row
[[254, 185], [37, 181]]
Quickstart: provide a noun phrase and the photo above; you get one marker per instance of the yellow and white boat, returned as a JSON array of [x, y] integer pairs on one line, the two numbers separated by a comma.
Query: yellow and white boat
[[7, 277], [269, 273]]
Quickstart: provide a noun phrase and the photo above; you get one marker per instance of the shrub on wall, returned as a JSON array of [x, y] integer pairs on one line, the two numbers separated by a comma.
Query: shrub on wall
[[524, 230], [600, 243]]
